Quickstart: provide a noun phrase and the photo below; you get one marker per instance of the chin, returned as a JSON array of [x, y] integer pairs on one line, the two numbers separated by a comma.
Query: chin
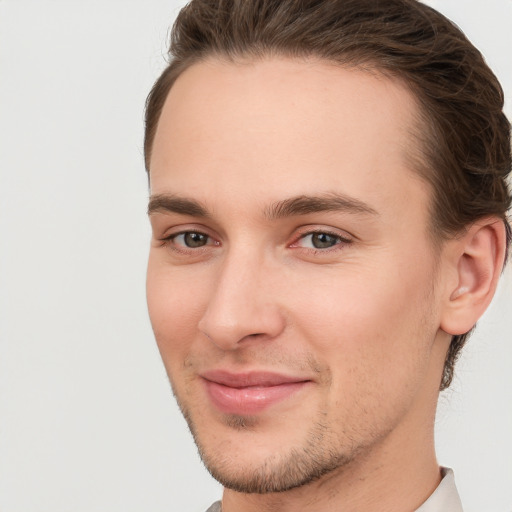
[[277, 473], [243, 461]]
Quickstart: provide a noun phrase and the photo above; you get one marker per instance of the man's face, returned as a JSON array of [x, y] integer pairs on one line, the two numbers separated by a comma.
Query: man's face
[[291, 280]]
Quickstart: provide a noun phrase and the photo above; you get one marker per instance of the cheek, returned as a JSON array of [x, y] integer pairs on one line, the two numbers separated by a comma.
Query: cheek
[[373, 328], [175, 304], [377, 351]]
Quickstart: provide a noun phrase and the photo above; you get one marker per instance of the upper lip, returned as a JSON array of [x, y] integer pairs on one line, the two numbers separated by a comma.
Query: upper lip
[[247, 379]]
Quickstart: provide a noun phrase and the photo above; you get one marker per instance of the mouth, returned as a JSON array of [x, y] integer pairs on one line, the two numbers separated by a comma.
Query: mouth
[[249, 393]]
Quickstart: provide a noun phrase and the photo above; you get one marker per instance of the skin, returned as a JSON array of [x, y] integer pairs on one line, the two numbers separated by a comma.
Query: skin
[[360, 318]]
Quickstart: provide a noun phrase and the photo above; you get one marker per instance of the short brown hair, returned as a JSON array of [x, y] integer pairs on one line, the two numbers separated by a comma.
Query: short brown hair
[[465, 145]]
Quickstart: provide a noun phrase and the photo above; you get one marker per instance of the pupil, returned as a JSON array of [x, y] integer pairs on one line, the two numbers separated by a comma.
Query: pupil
[[195, 239], [323, 240]]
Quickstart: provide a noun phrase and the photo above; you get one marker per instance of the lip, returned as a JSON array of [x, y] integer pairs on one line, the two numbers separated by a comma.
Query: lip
[[251, 392]]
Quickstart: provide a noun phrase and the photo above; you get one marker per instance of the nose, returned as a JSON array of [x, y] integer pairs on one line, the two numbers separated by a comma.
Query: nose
[[243, 304]]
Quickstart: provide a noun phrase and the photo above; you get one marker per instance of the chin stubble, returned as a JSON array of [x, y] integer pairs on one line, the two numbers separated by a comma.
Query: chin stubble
[[300, 466]]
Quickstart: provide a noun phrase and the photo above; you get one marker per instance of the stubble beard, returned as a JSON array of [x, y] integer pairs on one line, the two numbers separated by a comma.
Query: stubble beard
[[317, 457]]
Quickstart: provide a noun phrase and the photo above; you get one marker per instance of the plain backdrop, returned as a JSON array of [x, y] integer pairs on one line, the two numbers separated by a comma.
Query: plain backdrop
[[87, 420]]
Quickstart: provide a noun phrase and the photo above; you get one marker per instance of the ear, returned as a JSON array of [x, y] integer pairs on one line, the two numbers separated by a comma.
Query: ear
[[478, 257]]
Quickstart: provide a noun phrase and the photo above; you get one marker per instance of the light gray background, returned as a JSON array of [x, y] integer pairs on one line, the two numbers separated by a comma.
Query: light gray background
[[87, 422]]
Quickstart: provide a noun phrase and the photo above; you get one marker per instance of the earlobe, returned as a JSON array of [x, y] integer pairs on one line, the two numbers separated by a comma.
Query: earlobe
[[479, 259]]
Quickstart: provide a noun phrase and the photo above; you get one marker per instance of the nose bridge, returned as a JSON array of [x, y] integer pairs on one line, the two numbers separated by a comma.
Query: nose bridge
[[242, 302]]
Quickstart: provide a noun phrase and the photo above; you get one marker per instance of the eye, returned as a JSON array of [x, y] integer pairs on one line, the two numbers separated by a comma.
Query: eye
[[190, 239], [318, 240], [189, 246]]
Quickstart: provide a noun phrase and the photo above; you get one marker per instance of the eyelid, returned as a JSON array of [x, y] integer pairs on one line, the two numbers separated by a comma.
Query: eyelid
[[171, 231], [185, 233], [168, 240], [343, 237], [172, 236]]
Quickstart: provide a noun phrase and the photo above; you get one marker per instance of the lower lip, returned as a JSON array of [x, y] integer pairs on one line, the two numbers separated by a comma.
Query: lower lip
[[249, 400]]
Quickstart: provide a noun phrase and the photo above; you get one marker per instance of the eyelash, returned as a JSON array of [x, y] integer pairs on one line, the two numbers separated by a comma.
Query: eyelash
[[341, 242], [169, 241]]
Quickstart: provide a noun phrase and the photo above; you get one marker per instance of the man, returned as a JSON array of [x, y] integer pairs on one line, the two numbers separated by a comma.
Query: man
[[328, 206]]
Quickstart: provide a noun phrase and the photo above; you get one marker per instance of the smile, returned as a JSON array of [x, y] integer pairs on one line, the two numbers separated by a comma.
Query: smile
[[249, 393]]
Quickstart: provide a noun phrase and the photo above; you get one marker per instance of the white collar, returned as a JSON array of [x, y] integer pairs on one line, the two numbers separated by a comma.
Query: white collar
[[445, 498]]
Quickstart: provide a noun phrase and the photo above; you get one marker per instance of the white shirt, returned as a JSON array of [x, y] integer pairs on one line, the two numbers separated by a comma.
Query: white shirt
[[445, 497]]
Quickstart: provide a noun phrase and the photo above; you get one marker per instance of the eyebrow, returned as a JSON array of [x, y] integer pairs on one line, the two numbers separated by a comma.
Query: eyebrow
[[291, 207], [174, 204], [330, 202]]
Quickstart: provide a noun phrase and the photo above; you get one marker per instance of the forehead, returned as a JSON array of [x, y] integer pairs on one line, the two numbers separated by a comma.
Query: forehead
[[280, 125]]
